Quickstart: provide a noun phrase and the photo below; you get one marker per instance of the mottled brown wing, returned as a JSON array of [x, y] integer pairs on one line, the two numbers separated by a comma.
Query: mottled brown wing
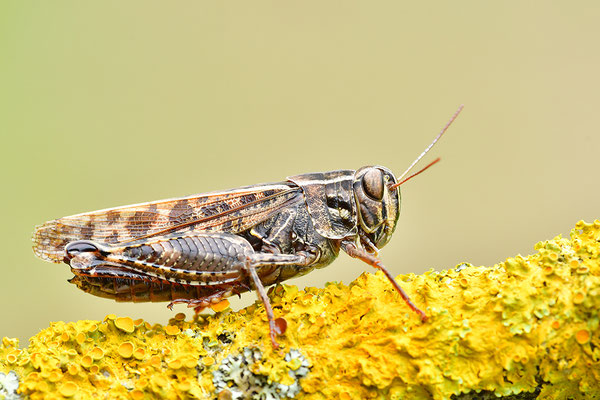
[[231, 211]]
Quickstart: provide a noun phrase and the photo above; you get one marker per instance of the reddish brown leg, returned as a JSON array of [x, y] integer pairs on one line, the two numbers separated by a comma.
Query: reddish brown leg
[[355, 252], [200, 303], [262, 293], [276, 326]]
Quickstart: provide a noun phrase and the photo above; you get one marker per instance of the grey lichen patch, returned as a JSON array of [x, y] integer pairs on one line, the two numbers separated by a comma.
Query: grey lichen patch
[[9, 383], [240, 376]]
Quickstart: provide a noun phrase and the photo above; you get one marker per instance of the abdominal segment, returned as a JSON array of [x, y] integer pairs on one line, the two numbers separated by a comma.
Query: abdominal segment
[[126, 287], [215, 259]]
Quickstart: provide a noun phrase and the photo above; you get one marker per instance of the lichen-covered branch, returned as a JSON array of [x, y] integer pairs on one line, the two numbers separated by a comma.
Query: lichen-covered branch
[[528, 326]]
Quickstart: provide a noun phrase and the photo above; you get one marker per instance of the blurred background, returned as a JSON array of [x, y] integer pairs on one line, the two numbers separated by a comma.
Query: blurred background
[[115, 103]]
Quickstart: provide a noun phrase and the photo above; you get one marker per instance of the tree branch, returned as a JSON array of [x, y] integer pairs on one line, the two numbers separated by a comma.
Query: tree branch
[[524, 328]]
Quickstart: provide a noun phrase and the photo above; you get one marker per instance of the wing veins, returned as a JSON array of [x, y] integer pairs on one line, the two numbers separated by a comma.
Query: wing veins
[[214, 216]]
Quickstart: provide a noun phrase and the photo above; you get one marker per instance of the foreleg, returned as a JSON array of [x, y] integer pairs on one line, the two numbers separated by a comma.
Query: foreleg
[[353, 251]]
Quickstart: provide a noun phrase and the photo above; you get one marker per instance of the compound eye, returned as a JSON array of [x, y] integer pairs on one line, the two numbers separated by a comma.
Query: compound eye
[[372, 183], [78, 247]]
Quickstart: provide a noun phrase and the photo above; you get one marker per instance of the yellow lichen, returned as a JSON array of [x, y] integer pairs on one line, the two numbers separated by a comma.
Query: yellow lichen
[[220, 306], [96, 353], [139, 353], [86, 361], [172, 330], [578, 298], [208, 361], [125, 324], [175, 364], [80, 338], [582, 336], [527, 324], [68, 389], [72, 369], [126, 349]]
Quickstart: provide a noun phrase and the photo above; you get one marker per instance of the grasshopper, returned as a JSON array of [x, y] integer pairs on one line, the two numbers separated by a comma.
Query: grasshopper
[[203, 248]]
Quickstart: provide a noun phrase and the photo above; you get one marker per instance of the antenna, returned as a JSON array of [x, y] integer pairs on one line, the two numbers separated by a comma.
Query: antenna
[[394, 186], [444, 129]]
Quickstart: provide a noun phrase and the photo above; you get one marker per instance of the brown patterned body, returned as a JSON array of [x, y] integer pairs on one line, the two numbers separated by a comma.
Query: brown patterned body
[[201, 249]]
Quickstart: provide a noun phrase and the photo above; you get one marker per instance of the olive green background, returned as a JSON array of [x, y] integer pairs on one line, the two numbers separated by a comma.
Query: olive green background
[[109, 103]]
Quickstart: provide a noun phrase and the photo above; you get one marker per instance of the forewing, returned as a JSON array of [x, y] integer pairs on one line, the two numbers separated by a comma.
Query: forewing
[[231, 211]]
